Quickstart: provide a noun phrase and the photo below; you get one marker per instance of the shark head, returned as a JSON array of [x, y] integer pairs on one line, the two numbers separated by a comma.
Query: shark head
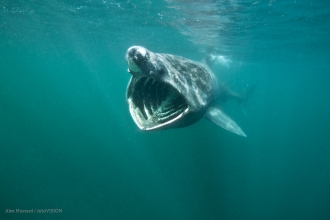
[[153, 102]]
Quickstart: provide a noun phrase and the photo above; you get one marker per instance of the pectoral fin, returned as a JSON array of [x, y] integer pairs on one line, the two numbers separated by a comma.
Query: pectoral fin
[[219, 118]]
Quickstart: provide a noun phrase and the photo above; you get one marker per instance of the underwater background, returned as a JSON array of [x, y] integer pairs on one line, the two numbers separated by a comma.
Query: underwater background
[[68, 142]]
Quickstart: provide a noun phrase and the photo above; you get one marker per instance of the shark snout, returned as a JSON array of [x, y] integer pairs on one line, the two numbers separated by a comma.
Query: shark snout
[[137, 58], [137, 54]]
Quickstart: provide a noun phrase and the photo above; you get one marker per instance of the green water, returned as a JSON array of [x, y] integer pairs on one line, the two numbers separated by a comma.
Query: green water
[[68, 142]]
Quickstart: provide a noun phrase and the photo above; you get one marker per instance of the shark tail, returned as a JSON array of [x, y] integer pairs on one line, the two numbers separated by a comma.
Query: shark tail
[[243, 98]]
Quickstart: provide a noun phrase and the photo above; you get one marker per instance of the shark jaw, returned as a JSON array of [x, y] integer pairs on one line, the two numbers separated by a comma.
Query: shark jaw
[[154, 104]]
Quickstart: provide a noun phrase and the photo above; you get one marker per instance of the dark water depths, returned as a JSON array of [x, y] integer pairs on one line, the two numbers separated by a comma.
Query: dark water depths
[[67, 140]]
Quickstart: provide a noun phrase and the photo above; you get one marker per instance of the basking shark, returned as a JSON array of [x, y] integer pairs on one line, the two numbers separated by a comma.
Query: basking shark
[[168, 91]]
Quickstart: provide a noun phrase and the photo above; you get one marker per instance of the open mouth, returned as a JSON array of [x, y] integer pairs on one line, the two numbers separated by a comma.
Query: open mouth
[[153, 103]]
